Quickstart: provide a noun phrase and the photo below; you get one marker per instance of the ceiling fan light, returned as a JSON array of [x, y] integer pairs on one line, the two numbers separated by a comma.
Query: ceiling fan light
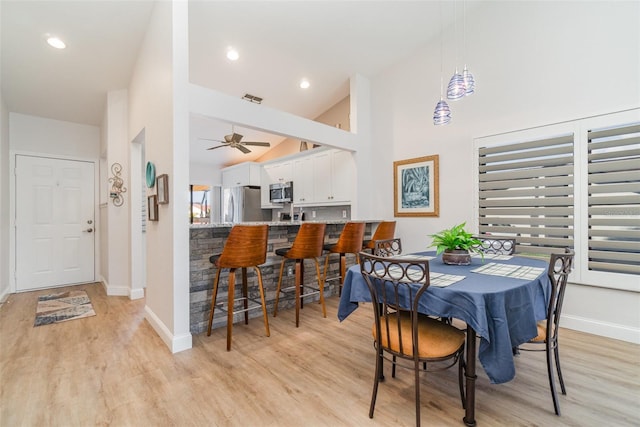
[[456, 88], [442, 113], [304, 84]]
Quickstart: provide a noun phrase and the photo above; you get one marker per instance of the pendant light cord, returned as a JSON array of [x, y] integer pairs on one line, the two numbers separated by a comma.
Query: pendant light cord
[[464, 31], [441, 56], [455, 30]]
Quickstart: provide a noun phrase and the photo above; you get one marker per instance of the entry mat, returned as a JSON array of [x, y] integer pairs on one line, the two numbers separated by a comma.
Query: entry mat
[[63, 306]]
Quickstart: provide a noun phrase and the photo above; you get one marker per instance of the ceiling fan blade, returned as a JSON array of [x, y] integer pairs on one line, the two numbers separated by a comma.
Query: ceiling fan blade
[[218, 146], [236, 137], [257, 144], [242, 148], [210, 139]]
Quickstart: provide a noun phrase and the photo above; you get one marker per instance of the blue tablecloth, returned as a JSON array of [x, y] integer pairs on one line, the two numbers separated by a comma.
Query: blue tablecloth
[[503, 311]]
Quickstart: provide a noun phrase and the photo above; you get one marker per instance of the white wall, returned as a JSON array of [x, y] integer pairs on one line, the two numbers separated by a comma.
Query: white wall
[[4, 201], [39, 135], [204, 175], [117, 271], [535, 63], [151, 107]]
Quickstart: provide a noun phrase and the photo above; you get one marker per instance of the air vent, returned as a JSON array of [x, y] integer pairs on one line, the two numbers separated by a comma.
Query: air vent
[[252, 98]]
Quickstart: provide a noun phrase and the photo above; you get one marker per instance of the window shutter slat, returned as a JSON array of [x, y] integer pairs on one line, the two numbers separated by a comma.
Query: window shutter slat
[[521, 185], [614, 199]]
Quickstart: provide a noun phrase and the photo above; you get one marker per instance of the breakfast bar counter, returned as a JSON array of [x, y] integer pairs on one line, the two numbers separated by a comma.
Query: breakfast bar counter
[[208, 239]]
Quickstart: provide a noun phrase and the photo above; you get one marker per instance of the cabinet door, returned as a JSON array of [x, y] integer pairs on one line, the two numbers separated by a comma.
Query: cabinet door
[[265, 181], [322, 177], [233, 178], [241, 175], [303, 180], [281, 172], [342, 175]]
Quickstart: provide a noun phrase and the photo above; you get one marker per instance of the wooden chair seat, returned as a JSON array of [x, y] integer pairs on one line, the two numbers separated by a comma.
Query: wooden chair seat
[[435, 338], [542, 333]]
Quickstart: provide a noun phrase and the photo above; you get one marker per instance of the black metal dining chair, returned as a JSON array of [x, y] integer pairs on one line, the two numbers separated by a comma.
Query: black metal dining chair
[[496, 245], [400, 331], [560, 266], [388, 247]]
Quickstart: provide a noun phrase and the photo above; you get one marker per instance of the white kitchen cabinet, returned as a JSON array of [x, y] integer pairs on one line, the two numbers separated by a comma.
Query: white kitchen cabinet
[[265, 181], [342, 176], [333, 177], [303, 192], [280, 172], [247, 173], [322, 177]]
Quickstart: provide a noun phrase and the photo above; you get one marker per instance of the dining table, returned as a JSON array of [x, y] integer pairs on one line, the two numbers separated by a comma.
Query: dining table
[[499, 297]]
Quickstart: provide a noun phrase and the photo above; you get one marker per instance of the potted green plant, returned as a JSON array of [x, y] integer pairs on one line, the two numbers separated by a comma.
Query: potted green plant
[[454, 244]]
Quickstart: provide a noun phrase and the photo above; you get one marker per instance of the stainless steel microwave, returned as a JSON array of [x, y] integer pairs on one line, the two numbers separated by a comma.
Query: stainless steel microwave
[[281, 192]]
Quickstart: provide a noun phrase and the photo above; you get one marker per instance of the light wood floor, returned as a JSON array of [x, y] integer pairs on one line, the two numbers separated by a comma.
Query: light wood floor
[[112, 369]]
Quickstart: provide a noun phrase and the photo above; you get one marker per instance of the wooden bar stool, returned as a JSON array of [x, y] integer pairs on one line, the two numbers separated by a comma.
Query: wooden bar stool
[[307, 245], [245, 247], [349, 242], [386, 230]]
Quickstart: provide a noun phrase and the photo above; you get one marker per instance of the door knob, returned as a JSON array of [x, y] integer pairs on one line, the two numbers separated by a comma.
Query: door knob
[[89, 230]]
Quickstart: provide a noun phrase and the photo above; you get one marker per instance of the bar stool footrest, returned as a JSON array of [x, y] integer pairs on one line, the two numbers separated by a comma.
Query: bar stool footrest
[[292, 289], [255, 305]]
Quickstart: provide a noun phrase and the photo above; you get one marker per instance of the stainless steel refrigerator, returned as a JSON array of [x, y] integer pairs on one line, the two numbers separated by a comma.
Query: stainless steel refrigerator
[[242, 204]]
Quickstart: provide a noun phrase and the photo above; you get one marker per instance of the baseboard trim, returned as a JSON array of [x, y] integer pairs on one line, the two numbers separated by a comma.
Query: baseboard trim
[[4, 296], [605, 329], [136, 293], [116, 291], [175, 343]]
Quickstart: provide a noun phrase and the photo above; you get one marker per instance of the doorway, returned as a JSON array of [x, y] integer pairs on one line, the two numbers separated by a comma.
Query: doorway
[[55, 222]]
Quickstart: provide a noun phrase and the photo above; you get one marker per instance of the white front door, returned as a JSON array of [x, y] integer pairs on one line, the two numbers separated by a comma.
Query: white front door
[[55, 224]]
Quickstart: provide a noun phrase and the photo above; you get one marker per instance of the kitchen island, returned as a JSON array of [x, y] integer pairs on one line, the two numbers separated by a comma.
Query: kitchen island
[[208, 239]]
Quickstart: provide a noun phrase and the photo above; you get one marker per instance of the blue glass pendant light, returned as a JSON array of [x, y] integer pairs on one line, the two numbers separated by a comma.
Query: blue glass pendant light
[[442, 113], [469, 82], [456, 88]]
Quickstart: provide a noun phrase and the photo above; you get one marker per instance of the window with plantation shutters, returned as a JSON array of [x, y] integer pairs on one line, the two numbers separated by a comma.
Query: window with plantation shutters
[[614, 199], [573, 184], [526, 191]]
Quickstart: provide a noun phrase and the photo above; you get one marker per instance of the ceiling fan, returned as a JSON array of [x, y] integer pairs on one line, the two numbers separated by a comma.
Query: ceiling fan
[[235, 140]]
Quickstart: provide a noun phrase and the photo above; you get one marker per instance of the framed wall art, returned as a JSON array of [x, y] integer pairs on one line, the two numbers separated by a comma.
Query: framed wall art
[[162, 184], [153, 207], [415, 187]]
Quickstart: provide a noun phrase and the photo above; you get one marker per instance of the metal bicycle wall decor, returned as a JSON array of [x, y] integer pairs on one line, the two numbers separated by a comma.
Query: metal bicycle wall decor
[[117, 185]]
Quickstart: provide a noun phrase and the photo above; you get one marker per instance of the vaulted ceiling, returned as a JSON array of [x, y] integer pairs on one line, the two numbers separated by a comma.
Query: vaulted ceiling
[[279, 44]]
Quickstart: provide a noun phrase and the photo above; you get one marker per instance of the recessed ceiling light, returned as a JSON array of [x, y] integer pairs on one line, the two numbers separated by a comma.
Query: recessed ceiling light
[[56, 42], [232, 54], [304, 84]]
